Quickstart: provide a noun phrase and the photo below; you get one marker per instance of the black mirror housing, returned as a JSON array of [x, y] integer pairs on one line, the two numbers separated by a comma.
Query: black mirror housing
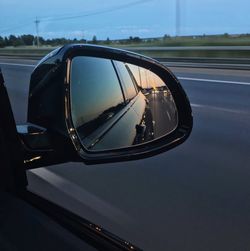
[[50, 108]]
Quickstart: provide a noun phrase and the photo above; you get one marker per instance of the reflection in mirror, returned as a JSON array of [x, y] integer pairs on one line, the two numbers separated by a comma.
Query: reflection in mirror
[[116, 105]]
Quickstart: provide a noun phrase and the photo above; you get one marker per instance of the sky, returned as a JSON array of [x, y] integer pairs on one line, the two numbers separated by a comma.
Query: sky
[[121, 19]]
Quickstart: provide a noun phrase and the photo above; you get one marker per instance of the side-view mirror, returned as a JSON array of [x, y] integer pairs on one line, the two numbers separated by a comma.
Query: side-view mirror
[[97, 104]]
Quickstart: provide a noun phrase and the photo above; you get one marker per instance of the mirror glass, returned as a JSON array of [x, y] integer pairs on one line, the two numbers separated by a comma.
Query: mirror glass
[[115, 104]]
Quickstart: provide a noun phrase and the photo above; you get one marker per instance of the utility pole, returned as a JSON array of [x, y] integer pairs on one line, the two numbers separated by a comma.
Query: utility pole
[[84, 38], [178, 17], [37, 31]]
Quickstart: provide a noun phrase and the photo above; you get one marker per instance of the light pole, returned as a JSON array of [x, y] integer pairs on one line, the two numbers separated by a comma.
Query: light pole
[[37, 31], [177, 17]]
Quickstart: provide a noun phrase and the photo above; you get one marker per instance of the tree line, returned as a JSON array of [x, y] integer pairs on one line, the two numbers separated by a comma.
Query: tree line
[[28, 39], [166, 40]]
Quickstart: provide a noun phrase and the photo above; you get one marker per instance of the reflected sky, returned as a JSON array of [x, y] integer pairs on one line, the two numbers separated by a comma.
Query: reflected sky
[[145, 78], [94, 88]]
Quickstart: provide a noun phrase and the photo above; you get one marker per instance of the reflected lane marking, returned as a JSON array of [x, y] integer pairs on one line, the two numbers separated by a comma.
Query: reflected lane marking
[[13, 64], [61, 184]]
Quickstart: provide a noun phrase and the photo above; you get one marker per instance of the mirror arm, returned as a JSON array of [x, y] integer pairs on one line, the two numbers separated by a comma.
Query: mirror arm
[[38, 147], [34, 137]]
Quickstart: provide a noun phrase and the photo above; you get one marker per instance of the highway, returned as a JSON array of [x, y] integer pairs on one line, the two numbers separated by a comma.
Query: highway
[[194, 197]]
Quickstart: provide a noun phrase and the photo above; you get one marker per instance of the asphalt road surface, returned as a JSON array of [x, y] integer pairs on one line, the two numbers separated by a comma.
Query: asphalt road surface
[[194, 197], [163, 112]]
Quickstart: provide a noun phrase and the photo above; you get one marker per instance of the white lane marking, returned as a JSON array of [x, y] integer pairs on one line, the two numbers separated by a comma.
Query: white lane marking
[[215, 81], [197, 105], [13, 64], [59, 184], [220, 109]]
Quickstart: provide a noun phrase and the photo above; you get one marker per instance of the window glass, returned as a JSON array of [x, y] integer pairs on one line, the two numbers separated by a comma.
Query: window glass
[[96, 94], [126, 80]]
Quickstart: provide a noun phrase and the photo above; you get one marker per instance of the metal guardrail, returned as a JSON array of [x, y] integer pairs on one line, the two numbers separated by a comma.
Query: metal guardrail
[[216, 63], [190, 48], [206, 60], [22, 56], [196, 62]]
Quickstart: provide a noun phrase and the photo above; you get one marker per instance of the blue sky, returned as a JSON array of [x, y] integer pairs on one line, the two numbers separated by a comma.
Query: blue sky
[[121, 19]]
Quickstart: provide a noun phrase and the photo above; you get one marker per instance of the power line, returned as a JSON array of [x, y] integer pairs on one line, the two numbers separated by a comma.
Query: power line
[[98, 12], [68, 16], [16, 27]]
